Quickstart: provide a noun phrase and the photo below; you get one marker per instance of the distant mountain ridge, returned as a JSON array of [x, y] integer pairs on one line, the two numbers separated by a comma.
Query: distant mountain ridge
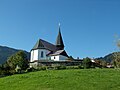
[[110, 57], [6, 52]]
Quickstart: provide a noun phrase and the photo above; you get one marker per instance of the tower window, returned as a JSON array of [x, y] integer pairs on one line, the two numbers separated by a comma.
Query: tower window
[[54, 57], [41, 54]]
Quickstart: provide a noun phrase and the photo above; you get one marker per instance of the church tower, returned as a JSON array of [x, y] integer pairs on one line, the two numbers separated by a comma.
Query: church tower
[[59, 41]]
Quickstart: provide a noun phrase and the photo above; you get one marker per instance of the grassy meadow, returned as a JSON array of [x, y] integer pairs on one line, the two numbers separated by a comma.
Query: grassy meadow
[[77, 79]]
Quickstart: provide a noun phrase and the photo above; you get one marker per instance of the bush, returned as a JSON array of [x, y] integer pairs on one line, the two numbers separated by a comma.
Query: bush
[[41, 68], [62, 67], [80, 67], [11, 72], [50, 68], [30, 69], [59, 67], [72, 67], [6, 72]]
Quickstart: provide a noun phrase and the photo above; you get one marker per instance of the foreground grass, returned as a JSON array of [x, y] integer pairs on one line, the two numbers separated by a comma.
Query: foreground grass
[[91, 79]]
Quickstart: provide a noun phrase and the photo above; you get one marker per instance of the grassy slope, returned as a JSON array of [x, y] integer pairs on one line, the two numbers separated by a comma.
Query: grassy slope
[[96, 79]]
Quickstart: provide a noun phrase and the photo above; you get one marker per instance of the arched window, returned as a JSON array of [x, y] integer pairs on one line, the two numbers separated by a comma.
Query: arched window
[[41, 54]]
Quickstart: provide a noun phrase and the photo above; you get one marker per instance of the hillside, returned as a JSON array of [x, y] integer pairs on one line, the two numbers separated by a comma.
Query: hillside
[[109, 57], [5, 52], [91, 79]]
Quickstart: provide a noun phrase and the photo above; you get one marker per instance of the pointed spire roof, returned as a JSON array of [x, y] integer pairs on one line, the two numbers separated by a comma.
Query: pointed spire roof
[[59, 41]]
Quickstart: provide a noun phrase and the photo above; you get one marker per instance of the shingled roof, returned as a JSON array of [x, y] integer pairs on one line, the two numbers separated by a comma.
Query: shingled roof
[[59, 52], [42, 44]]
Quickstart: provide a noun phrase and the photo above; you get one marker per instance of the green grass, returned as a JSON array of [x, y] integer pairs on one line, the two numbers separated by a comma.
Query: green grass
[[91, 79]]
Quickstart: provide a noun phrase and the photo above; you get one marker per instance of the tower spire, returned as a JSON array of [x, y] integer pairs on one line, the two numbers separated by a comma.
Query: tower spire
[[59, 41]]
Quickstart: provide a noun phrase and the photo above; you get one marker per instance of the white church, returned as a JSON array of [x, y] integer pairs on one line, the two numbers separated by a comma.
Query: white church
[[45, 51]]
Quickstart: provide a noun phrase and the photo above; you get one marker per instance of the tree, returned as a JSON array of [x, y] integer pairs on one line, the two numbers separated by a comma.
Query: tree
[[116, 61], [19, 59], [116, 55], [87, 62]]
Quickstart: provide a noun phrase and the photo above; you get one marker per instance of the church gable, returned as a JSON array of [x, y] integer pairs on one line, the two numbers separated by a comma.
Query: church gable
[[38, 45], [42, 44]]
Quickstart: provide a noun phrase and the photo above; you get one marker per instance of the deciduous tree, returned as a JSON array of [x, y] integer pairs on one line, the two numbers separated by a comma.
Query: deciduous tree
[[87, 62], [19, 59]]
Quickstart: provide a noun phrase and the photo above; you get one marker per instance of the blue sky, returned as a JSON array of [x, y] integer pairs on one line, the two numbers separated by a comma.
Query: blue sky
[[88, 26]]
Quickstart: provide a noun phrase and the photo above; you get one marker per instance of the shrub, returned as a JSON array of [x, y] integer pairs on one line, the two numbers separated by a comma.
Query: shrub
[[80, 67], [30, 69], [41, 68], [59, 67], [11, 72], [62, 67], [50, 68]]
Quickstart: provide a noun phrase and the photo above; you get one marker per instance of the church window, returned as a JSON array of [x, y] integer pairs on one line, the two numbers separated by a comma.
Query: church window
[[41, 54], [54, 57]]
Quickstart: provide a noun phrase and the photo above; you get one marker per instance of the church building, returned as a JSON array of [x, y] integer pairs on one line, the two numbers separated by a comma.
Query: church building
[[45, 51]]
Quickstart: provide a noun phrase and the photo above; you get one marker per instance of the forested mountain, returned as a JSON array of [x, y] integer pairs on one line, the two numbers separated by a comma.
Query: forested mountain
[[110, 57], [5, 52]]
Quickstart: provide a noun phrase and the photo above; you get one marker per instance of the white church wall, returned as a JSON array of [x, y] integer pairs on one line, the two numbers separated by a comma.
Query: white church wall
[[58, 58], [55, 58], [44, 57], [36, 54], [31, 56]]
